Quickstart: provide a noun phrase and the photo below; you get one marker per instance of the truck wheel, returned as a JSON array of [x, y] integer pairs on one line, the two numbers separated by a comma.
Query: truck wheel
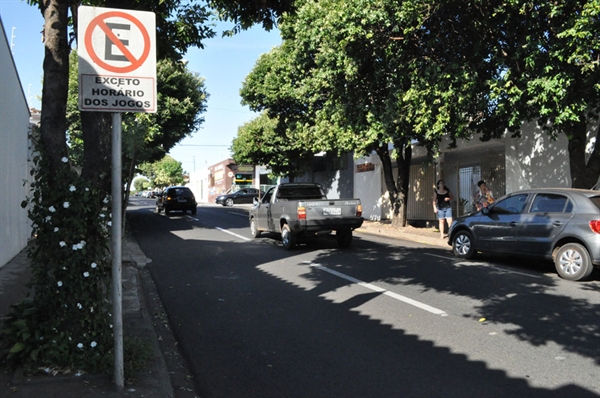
[[254, 228], [287, 237], [344, 237]]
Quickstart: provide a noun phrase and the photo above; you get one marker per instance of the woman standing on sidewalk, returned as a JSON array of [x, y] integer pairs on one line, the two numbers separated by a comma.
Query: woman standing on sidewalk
[[442, 205]]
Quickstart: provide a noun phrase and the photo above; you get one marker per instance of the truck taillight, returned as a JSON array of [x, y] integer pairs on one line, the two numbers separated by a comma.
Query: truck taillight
[[595, 226], [358, 210], [301, 213]]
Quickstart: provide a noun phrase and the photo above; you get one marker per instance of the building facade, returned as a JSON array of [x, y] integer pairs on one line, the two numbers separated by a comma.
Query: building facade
[[15, 157]]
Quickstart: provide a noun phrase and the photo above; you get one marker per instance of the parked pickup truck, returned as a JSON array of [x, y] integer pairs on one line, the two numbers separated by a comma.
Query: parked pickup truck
[[297, 210]]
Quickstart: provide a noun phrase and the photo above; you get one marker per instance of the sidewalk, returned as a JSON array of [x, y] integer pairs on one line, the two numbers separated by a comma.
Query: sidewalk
[[141, 307]]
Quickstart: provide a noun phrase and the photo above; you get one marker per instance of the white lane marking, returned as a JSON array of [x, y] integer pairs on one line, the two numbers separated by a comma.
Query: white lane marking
[[378, 289], [234, 234], [495, 267]]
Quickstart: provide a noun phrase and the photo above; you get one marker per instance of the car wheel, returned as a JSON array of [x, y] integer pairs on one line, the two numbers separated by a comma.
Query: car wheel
[[167, 211], [229, 202], [287, 237], [343, 237], [462, 244], [254, 228], [194, 210], [572, 262], [158, 210]]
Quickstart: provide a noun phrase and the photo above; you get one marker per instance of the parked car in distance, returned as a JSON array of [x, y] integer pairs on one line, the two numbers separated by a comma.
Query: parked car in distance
[[244, 195], [176, 198], [560, 224]]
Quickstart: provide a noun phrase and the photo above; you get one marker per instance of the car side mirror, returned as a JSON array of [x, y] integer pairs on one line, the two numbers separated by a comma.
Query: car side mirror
[[485, 210], [255, 201]]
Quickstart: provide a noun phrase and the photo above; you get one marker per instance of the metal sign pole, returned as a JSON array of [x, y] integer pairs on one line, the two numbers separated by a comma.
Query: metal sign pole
[[116, 236]]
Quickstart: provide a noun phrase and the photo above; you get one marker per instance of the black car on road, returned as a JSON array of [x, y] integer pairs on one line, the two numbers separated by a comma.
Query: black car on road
[[244, 195], [560, 224], [176, 198]]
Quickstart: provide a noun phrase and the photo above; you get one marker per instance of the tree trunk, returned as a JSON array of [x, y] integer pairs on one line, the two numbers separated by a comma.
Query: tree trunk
[[397, 190], [56, 81], [583, 175], [96, 127]]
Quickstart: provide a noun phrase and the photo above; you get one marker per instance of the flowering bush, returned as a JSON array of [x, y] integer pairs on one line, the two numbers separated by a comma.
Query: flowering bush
[[66, 321]]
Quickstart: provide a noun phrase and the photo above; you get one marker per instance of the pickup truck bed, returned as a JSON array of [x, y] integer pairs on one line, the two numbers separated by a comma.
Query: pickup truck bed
[[296, 210]]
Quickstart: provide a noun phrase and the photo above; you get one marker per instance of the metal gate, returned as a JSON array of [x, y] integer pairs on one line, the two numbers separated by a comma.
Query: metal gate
[[465, 169]]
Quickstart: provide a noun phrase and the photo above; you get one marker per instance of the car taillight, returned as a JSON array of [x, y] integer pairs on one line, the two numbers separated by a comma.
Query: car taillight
[[358, 210], [301, 213], [595, 226]]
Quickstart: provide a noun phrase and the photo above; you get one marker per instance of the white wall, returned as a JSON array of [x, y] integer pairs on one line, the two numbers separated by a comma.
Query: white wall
[[199, 185], [15, 228], [368, 186], [536, 161]]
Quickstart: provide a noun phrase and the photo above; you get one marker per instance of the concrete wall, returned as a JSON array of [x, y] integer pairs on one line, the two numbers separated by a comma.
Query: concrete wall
[[15, 228]]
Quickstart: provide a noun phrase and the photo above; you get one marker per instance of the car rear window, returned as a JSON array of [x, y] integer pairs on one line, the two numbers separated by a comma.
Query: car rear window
[[596, 200], [307, 192], [180, 191]]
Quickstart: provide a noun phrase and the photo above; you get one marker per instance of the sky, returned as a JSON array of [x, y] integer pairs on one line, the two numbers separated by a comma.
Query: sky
[[224, 63]]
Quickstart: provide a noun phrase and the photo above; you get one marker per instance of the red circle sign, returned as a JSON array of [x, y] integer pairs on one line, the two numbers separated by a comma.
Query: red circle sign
[[99, 21]]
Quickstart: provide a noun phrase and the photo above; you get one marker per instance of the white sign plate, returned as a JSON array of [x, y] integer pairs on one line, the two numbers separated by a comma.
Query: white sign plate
[[117, 60]]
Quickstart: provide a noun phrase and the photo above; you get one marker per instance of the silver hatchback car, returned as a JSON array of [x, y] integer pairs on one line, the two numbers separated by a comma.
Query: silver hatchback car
[[556, 223]]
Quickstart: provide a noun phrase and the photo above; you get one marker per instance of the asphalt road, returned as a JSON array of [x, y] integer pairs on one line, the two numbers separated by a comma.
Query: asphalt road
[[384, 318]]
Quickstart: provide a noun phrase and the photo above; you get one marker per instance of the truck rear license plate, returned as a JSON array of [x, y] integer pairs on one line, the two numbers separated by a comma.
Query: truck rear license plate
[[332, 211]]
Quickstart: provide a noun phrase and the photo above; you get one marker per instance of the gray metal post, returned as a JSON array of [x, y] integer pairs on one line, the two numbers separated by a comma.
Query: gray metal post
[[116, 232]]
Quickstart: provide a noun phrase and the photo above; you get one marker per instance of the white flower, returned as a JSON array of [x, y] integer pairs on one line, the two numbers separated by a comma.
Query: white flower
[[94, 265], [64, 160], [59, 283], [72, 188], [75, 247], [109, 223], [93, 344], [66, 205], [82, 243], [79, 306], [86, 274], [102, 215], [87, 189], [91, 309], [51, 209], [79, 345], [55, 229], [62, 243], [48, 218], [105, 200]]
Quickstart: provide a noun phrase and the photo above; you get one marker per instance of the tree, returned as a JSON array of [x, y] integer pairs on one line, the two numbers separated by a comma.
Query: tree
[[258, 142], [548, 54], [350, 81], [163, 173], [141, 184]]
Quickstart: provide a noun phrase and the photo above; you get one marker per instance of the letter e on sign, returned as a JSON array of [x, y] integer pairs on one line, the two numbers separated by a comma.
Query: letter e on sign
[[117, 60]]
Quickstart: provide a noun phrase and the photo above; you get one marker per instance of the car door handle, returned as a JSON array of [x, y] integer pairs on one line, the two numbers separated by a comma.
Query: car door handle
[[557, 223], [513, 223]]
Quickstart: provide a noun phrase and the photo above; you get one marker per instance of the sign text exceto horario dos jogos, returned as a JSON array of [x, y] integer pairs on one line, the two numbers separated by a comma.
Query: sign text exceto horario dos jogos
[[117, 60]]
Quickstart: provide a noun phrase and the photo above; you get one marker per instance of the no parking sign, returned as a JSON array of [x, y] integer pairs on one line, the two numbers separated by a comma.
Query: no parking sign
[[117, 60]]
